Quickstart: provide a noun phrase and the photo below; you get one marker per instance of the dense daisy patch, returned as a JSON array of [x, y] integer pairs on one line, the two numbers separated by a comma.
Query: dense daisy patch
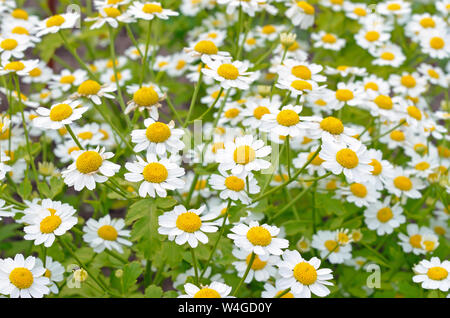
[[225, 149]]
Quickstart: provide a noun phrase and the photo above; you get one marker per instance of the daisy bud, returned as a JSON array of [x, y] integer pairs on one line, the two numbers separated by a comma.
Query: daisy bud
[[46, 169], [263, 90], [119, 273], [287, 39], [80, 275]]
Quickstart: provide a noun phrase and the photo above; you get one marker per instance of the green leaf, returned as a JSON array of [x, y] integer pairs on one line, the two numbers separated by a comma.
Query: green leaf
[[166, 203], [56, 186], [130, 274], [44, 189], [153, 291], [24, 189]]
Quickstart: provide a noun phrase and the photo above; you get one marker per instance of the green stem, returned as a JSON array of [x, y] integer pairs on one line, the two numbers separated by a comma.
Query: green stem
[[144, 61], [249, 266], [194, 96], [194, 261], [74, 137]]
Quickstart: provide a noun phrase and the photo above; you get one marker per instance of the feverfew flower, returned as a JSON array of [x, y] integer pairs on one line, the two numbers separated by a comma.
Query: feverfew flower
[[106, 233]]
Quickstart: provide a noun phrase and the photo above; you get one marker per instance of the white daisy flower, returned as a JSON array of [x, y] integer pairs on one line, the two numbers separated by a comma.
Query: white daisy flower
[[93, 91], [301, 14], [54, 271], [213, 290], [401, 183], [57, 22], [261, 240], [106, 233], [150, 10], [384, 217], [412, 241], [271, 291], [244, 154], [229, 74], [21, 68], [184, 226], [388, 54], [158, 138], [436, 44], [67, 79], [233, 186], [5, 211], [262, 267], [304, 277], [13, 47], [372, 37], [433, 274], [205, 49], [88, 168], [353, 160], [23, 278], [110, 15], [361, 194], [382, 169], [146, 97], [285, 122], [59, 115], [49, 222], [315, 165], [347, 93], [328, 244], [408, 84], [327, 41], [156, 176]]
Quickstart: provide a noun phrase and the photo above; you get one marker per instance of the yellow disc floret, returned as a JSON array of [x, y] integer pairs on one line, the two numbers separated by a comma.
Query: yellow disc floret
[[234, 183], [107, 232], [347, 158], [155, 172], [89, 87], [259, 235], [158, 132], [21, 277], [305, 273], [206, 292], [244, 154], [228, 71], [55, 20], [89, 161], [206, 47], [333, 125], [287, 117], [403, 183], [189, 222], [437, 273], [384, 214], [60, 112], [145, 96], [50, 223]]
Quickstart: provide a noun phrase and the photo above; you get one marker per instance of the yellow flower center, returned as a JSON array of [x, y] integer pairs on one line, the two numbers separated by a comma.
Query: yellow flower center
[[358, 190], [383, 101], [189, 222], [50, 223], [268, 29], [331, 185], [89, 87], [388, 56], [201, 184], [397, 135], [427, 22], [429, 245], [414, 112], [86, 135], [216, 146], [332, 246], [207, 293], [371, 85], [180, 64], [420, 148], [301, 85], [372, 36], [320, 102], [329, 38], [258, 235], [394, 7], [35, 72], [8, 44], [339, 2], [306, 7], [60, 112], [244, 154], [21, 277], [150, 8], [437, 43], [408, 81], [72, 149], [250, 41], [20, 30], [145, 96], [302, 72], [305, 273], [47, 273], [67, 79], [433, 73], [384, 214], [158, 132], [234, 183], [344, 95], [155, 172], [416, 240], [439, 230], [287, 295], [347, 158], [228, 71], [112, 12], [437, 273], [403, 183], [288, 117], [206, 47], [260, 111], [55, 20], [317, 161], [257, 263], [360, 12], [232, 113], [89, 161], [377, 167], [20, 14], [5, 134], [14, 66], [422, 166], [107, 232], [333, 125]]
